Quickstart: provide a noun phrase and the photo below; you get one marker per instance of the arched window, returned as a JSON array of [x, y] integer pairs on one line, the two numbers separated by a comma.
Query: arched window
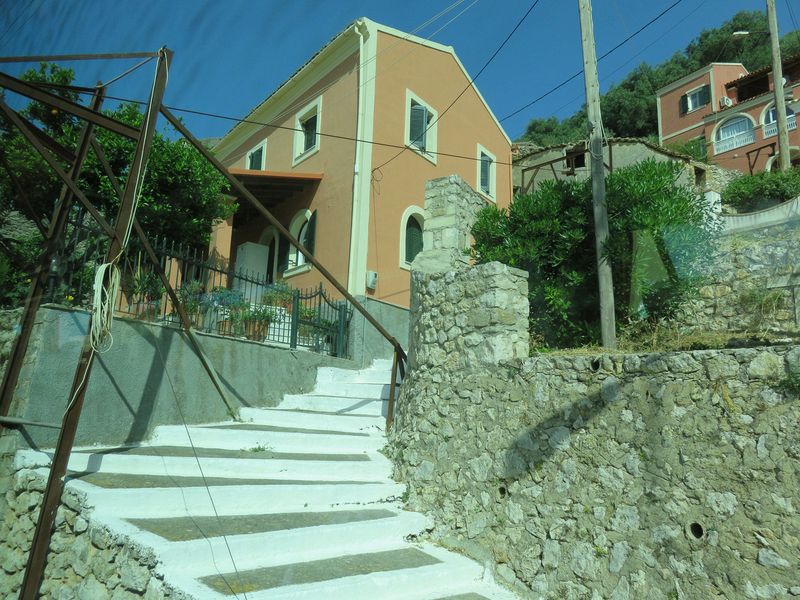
[[771, 120], [734, 133], [303, 227], [411, 226]]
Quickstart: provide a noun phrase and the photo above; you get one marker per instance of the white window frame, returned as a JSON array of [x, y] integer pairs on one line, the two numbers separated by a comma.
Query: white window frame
[[492, 193], [297, 262], [688, 94], [263, 146], [411, 212], [300, 153], [431, 135]]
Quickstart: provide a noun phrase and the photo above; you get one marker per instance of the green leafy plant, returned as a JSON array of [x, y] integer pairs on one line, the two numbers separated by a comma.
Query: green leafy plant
[[760, 305], [549, 233], [749, 193], [191, 296], [278, 294]]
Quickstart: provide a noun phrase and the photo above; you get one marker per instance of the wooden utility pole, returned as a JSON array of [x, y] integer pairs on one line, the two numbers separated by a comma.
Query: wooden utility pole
[[784, 158], [605, 280]]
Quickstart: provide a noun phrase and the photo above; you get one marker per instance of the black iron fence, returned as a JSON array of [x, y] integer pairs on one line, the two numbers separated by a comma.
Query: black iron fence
[[217, 298]]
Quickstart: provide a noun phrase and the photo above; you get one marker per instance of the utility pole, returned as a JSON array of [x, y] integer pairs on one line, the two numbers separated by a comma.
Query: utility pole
[[784, 159], [605, 280]]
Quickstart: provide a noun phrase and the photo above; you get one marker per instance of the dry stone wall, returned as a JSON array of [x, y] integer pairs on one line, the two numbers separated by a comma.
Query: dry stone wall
[[641, 476], [752, 282], [86, 561]]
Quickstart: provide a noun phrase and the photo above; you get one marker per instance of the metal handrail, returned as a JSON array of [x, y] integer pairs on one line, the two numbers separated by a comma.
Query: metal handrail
[[400, 358]]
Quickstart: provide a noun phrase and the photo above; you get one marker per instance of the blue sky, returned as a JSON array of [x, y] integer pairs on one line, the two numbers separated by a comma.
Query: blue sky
[[229, 55]]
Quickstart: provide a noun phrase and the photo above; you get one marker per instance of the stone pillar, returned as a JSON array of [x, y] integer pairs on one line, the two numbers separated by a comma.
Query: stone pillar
[[451, 207], [462, 315]]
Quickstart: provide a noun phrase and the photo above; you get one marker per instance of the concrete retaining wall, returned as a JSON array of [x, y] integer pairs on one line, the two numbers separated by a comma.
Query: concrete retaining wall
[[149, 377]]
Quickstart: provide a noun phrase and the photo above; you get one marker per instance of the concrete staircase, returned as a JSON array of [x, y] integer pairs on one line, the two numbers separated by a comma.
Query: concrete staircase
[[294, 503]]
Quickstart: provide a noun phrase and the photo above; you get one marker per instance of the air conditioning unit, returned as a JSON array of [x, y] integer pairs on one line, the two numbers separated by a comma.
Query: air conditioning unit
[[724, 101]]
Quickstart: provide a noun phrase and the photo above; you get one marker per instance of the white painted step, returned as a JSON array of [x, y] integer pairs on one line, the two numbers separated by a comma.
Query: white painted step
[[202, 557], [352, 390], [373, 470], [278, 417], [334, 375], [142, 503], [421, 583], [274, 441], [336, 404]]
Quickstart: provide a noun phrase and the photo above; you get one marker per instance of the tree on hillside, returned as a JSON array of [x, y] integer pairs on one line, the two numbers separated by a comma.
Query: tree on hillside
[[181, 196], [629, 107]]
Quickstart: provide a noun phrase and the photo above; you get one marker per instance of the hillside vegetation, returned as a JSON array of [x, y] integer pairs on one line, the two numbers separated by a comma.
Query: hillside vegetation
[[629, 107]]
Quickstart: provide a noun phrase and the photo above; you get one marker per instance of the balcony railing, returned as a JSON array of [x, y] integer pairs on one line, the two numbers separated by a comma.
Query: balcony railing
[[771, 129], [736, 141]]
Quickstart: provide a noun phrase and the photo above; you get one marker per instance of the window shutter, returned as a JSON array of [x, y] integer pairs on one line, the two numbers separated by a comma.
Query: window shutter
[[255, 159], [705, 95], [413, 239], [311, 233], [309, 133], [486, 164], [419, 125], [283, 254], [684, 104]]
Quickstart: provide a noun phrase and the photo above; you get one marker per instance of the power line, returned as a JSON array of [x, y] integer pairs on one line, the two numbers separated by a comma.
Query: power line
[[202, 113], [579, 73], [470, 84], [791, 14]]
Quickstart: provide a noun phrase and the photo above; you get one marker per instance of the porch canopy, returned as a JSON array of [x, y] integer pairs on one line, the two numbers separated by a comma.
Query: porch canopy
[[272, 188]]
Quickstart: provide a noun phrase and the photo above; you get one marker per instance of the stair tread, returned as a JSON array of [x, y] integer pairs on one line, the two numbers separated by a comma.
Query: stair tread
[[255, 453], [259, 427], [192, 528], [138, 481], [318, 570]]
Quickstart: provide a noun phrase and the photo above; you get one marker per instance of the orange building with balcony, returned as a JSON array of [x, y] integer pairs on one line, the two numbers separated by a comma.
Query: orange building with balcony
[[732, 112]]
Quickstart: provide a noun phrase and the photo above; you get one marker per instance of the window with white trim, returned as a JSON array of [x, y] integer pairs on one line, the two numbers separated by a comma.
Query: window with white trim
[[694, 99], [420, 126], [771, 116], [487, 172], [734, 133], [307, 127], [256, 159]]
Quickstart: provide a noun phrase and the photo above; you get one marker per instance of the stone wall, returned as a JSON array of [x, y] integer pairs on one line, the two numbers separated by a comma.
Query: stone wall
[[8, 324], [752, 282], [639, 476], [478, 315], [658, 476], [86, 561]]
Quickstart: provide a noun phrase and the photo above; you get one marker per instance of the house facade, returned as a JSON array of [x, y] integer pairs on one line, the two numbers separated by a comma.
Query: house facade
[[732, 112], [340, 154]]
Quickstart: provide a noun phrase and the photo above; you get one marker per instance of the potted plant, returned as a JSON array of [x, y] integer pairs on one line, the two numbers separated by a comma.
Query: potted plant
[[255, 320], [279, 295], [146, 291], [228, 306], [191, 296]]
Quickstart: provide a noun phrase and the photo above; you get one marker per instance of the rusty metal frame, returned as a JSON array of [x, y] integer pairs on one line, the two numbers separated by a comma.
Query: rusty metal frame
[[52, 238], [36, 93], [52, 496]]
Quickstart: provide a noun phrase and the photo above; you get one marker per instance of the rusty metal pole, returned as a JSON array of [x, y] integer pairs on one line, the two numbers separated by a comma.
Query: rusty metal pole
[[39, 279], [55, 483]]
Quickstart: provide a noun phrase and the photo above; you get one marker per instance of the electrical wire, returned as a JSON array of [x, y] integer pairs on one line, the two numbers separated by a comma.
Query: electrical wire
[[125, 73], [294, 107], [470, 84], [22, 25], [791, 14], [579, 73]]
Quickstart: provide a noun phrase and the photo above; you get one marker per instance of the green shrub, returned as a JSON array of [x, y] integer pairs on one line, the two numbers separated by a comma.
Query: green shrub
[[749, 193], [549, 233]]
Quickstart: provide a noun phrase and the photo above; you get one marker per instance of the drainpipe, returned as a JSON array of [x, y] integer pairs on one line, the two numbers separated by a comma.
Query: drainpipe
[[357, 29]]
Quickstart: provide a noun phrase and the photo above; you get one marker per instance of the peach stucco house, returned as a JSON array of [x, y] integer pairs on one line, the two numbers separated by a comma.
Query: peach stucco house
[[733, 112], [386, 90]]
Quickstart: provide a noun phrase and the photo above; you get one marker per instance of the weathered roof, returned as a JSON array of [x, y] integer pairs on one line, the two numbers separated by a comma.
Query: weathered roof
[[615, 140], [759, 72]]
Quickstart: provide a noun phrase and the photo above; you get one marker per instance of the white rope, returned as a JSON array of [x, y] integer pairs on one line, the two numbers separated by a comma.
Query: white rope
[[105, 299]]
